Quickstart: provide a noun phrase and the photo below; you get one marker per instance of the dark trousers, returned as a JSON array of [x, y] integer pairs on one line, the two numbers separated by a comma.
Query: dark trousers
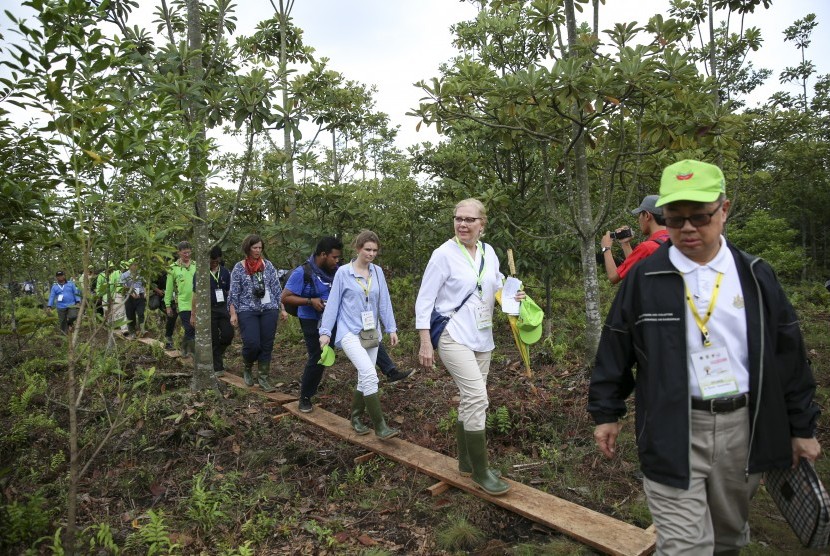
[[258, 329], [67, 318], [313, 372], [221, 335], [189, 331], [134, 307], [384, 362], [169, 322]]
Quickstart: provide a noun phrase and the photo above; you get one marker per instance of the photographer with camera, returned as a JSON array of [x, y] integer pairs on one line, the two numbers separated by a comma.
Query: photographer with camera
[[254, 305], [650, 219]]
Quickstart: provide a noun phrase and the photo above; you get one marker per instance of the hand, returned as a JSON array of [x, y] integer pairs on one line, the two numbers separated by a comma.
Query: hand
[[159, 292], [393, 339], [234, 320], [283, 314], [605, 435], [606, 240], [192, 319], [426, 355], [520, 295], [324, 341], [805, 448], [625, 239], [169, 312], [318, 304]]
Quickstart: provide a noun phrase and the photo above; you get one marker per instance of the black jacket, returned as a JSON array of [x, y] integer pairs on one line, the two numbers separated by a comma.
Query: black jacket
[[646, 327]]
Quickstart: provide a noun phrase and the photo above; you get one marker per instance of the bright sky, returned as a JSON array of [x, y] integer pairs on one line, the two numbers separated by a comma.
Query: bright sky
[[394, 43]]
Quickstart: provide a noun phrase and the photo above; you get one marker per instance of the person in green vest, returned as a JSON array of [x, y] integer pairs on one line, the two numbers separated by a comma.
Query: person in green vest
[[180, 280]]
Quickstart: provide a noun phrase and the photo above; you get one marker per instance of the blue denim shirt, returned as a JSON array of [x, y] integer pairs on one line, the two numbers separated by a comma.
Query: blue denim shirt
[[242, 289], [347, 301], [71, 295]]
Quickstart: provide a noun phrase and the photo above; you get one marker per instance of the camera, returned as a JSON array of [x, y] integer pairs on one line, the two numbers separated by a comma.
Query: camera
[[259, 286], [622, 234]]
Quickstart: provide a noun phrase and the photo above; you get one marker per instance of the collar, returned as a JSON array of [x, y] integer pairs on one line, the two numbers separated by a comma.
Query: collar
[[659, 234], [686, 265], [352, 272]]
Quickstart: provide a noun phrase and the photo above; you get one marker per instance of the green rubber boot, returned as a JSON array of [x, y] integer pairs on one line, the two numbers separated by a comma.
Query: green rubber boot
[[465, 467], [247, 373], [373, 407], [482, 476], [264, 367], [358, 405]]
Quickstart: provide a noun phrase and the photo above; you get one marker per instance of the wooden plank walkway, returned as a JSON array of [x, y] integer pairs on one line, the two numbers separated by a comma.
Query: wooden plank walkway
[[602, 532]]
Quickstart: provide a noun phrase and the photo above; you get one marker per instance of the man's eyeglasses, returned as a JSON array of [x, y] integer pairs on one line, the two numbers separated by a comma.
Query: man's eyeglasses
[[696, 220], [466, 220]]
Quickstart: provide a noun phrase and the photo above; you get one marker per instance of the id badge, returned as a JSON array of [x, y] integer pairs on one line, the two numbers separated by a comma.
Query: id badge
[[220, 295], [266, 299], [368, 320], [714, 373], [484, 316], [60, 297]]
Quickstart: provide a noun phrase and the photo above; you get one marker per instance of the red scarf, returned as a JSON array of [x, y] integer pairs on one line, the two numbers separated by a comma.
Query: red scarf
[[252, 266]]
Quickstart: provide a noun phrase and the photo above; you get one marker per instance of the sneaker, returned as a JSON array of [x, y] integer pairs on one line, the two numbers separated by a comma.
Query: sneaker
[[305, 405], [397, 375]]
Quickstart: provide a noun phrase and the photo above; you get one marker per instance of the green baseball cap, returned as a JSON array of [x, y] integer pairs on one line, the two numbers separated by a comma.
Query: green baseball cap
[[529, 322], [691, 180], [327, 357]]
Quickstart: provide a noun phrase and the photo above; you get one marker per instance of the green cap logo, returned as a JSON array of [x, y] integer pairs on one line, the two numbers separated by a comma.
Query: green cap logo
[[691, 180]]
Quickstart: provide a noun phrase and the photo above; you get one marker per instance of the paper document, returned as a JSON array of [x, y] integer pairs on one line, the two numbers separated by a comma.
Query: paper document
[[508, 296]]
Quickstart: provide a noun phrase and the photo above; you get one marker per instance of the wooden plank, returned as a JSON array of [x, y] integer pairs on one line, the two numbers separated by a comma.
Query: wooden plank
[[365, 457], [438, 488], [174, 353], [597, 530], [237, 381]]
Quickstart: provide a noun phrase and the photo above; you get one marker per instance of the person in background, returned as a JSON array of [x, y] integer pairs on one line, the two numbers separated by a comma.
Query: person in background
[[461, 279], [309, 295], [723, 385], [66, 297], [169, 319], [359, 303], [136, 299], [650, 219], [254, 305], [180, 284], [221, 331]]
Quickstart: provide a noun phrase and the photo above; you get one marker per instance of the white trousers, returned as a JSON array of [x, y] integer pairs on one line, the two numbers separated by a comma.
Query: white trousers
[[469, 370], [364, 361]]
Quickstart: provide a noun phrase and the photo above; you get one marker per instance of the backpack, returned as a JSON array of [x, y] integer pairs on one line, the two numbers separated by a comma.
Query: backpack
[[292, 309]]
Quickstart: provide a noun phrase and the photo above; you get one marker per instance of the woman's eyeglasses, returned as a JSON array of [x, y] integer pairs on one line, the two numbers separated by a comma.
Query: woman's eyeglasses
[[696, 220], [466, 220]]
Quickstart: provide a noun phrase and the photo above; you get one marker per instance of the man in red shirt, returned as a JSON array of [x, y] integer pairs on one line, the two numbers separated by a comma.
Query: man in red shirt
[[650, 219]]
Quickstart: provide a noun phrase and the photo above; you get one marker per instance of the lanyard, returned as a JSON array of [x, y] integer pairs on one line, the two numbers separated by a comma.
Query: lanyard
[[480, 274], [368, 285], [701, 322], [215, 277]]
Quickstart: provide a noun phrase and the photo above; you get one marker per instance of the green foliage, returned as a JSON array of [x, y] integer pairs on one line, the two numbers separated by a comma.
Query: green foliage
[[24, 522], [459, 534], [447, 424], [325, 536], [773, 240], [155, 536], [259, 528], [100, 538], [499, 420]]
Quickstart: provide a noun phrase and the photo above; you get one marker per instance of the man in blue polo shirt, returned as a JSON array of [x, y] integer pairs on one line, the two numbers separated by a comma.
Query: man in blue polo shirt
[[66, 296]]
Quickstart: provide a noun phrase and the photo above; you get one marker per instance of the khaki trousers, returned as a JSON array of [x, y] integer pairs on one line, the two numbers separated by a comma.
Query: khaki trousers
[[469, 370], [711, 516]]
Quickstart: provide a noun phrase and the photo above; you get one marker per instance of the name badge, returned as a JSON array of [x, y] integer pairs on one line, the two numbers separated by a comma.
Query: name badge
[[484, 317], [368, 320], [220, 295], [266, 299], [714, 373], [60, 297]]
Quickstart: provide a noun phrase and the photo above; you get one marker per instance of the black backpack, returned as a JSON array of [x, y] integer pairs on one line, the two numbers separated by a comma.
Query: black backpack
[[307, 279]]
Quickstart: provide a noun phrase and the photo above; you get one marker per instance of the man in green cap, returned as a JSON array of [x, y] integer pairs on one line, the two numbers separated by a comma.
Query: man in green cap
[[723, 386]]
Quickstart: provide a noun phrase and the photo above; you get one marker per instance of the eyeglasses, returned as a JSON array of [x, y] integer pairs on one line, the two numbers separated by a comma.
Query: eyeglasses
[[466, 220], [696, 220]]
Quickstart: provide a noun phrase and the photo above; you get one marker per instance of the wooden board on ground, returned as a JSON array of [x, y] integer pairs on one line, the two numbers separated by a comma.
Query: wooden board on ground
[[597, 530], [237, 381], [153, 342]]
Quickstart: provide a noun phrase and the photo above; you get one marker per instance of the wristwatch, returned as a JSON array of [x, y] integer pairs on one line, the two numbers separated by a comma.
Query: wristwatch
[[604, 249]]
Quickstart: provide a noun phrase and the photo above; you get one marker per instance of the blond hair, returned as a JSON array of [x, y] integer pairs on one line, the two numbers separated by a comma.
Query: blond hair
[[364, 237], [476, 204]]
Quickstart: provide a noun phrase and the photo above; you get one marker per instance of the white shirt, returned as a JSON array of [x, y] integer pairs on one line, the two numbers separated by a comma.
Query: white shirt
[[447, 280], [727, 325]]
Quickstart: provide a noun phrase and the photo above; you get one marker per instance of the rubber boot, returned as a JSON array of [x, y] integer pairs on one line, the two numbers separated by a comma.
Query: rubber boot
[[263, 377], [358, 405], [247, 373], [465, 467], [373, 407], [485, 479]]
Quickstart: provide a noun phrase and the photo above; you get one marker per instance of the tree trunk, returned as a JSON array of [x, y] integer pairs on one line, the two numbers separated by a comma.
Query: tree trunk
[[287, 136], [203, 358]]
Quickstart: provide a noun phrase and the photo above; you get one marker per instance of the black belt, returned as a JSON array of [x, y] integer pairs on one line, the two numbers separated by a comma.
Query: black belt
[[721, 405]]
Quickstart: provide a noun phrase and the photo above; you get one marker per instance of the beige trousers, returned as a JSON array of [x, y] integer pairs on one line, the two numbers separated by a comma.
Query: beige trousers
[[469, 370], [711, 516]]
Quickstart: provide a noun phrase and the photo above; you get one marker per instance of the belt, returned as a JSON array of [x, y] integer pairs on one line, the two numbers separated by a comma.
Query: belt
[[721, 405]]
